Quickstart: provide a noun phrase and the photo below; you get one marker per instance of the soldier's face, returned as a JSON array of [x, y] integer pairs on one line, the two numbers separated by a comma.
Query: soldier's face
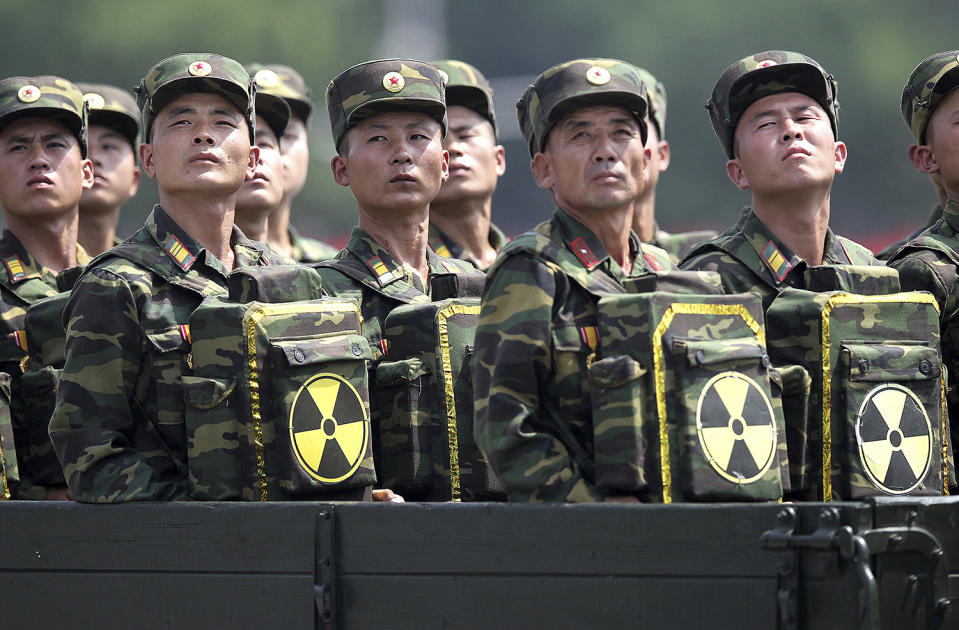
[[295, 148], [476, 161], [785, 143], [594, 160], [115, 173], [394, 161], [264, 192], [42, 172], [200, 146]]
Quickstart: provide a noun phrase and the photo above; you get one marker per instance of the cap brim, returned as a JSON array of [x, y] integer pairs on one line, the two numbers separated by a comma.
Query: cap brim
[[629, 101], [471, 98], [199, 85], [794, 77], [427, 106], [118, 121], [73, 121]]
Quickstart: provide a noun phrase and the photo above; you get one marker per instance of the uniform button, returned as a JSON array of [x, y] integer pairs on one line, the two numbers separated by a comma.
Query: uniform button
[[357, 351], [925, 367], [766, 361], [700, 357], [864, 365], [298, 356]]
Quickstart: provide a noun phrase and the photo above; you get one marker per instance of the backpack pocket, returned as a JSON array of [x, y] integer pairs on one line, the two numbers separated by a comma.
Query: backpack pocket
[[403, 431], [618, 395]]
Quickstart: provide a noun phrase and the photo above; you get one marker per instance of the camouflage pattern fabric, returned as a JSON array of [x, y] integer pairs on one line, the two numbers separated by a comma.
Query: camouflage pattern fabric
[[274, 284], [186, 73], [876, 422], [750, 259], [114, 108], [581, 82], [46, 96], [933, 79], [446, 247], [277, 407], [365, 272], [682, 402], [309, 250], [285, 82], [681, 243], [368, 88], [9, 468], [24, 282], [536, 336], [930, 262], [892, 248], [764, 74], [118, 427], [466, 86], [656, 99]]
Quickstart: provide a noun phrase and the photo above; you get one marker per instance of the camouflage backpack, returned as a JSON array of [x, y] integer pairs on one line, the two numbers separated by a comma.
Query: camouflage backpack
[[278, 404], [872, 417], [683, 408], [9, 470]]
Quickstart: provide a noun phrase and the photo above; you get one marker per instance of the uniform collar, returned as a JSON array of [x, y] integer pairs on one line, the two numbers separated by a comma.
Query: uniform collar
[[951, 214], [591, 253], [184, 252], [448, 248], [19, 265]]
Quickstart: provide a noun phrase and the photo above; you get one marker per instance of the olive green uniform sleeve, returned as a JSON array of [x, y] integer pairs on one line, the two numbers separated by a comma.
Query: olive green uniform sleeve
[[518, 377], [110, 450]]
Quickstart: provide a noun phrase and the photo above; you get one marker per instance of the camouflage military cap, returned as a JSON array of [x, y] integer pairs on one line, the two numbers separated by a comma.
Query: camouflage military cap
[[112, 107], [187, 73], [574, 84], [928, 84], [22, 97], [765, 74], [656, 99], [274, 110], [386, 85], [285, 82], [466, 86]]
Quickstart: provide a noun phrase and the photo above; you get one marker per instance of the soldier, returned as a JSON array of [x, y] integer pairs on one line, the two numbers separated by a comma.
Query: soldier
[[776, 116], [936, 214], [460, 225], [43, 171], [644, 214], [388, 126], [585, 125], [285, 82], [114, 124], [118, 426], [261, 196], [930, 262]]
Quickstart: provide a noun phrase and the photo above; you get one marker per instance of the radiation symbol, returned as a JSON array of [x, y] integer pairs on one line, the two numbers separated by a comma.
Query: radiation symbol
[[895, 438], [329, 428], [736, 427]]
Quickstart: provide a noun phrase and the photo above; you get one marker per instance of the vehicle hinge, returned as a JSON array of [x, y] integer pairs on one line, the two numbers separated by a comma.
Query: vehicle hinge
[[324, 594], [830, 543]]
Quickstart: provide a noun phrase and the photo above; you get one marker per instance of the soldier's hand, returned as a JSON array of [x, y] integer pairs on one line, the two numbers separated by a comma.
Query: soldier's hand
[[621, 499], [385, 495], [59, 493]]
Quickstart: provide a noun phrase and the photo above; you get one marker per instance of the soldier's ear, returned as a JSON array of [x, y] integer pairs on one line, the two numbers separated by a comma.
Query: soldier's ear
[[146, 160], [500, 154], [135, 184], [446, 166], [340, 173], [840, 157], [254, 160], [737, 176], [542, 171], [924, 160], [662, 152], [86, 166]]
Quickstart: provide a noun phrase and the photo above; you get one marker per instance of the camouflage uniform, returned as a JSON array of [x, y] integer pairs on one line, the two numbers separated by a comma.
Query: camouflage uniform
[[286, 83], [467, 87], [118, 424], [23, 281], [750, 259], [930, 261], [892, 248], [680, 244], [537, 330], [748, 256]]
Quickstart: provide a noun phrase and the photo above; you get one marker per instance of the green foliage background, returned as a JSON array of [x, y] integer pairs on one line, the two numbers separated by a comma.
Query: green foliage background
[[871, 47]]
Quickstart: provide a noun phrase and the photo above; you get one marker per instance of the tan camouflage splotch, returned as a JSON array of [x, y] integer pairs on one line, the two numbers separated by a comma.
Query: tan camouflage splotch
[[656, 99], [57, 97], [764, 74], [112, 107], [359, 92], [171, 77], [864, 342], [285, 82], [468, 87], [930, 262], [933, 79], [533, 410], [118, 426], [565, 87], [736, 255]]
